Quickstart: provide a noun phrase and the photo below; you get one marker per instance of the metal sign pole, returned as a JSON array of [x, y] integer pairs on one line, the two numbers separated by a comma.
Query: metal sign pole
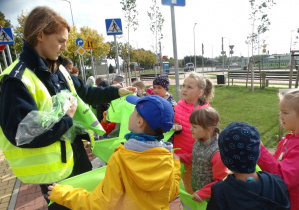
[[177, 79], [92, 64], [8, 54], [0, 69], [4, 59], [81, 67], [117, 61]]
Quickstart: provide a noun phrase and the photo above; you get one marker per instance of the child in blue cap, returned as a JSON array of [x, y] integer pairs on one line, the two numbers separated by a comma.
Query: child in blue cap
[[239, 146], [142, 173]]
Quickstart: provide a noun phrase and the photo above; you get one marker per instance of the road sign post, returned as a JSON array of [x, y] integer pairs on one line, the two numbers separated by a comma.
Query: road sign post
[[114, 27], [173, 3]]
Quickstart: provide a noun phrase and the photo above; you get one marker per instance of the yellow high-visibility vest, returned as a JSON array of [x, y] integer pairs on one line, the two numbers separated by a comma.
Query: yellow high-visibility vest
[[37, 165]]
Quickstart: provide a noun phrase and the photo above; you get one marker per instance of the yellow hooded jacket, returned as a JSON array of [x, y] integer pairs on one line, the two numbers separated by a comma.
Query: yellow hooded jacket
[[133, 180]]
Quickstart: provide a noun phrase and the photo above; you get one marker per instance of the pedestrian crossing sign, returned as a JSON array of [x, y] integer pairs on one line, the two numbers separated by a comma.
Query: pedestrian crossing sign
[[6, 36], [90, 44], [113, 26]]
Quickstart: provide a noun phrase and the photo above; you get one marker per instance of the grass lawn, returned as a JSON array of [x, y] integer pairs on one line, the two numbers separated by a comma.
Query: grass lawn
[[259, 108]]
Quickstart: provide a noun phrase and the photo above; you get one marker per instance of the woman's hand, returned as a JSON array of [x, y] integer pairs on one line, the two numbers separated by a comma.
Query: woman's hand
[[72, 110], [126, 91], [50, 188], [177, 127]]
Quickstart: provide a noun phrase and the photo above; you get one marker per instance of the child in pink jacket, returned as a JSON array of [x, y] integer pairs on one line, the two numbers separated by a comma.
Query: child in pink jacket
[[285, 160], [196, 93]]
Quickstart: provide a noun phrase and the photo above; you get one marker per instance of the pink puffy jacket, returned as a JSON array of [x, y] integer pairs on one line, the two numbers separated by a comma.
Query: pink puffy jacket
[[184, 140]]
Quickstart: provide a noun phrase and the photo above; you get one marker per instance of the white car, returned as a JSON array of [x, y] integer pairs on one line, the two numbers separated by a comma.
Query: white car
[[189, 67]]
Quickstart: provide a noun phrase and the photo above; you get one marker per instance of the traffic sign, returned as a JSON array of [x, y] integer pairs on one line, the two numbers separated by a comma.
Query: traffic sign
[[164, 57], [113, 26], [104, 55], [174, 2], [6, 36], [81, 51], [2, 47], [89, 44], [79, 42]]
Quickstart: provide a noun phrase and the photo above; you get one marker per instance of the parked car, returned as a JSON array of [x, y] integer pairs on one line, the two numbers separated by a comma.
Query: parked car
[[189, 67]]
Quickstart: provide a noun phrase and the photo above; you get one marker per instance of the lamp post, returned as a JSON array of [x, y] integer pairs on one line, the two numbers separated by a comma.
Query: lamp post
[[194, 47], [291, 40], [71, 11]]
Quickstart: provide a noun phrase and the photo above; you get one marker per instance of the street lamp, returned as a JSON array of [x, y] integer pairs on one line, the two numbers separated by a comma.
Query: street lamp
[[291, 40], [194, 47], [71, 11]]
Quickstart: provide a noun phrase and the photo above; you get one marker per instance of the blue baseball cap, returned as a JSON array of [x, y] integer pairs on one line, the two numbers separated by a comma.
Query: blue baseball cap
[[157, 112]]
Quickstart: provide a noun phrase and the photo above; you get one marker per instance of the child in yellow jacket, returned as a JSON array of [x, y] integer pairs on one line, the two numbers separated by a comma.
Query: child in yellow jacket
[[142, 173]]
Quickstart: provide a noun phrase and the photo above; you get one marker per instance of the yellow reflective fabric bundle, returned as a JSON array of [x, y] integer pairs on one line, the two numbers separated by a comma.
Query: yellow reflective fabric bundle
[[84, 116]]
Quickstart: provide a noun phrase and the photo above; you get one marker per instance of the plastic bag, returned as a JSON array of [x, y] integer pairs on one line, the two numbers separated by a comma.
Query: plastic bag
[[37, 122]]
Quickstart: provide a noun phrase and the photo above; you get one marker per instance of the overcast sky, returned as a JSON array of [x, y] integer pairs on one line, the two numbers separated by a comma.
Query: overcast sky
[[214, 18]]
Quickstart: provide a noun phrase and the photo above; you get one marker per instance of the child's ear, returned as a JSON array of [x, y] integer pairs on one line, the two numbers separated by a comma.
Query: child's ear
[[141, 122]]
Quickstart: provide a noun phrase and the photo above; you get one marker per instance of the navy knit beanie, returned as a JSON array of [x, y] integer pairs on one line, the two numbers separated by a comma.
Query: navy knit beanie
[[239, 146], [162, 80]]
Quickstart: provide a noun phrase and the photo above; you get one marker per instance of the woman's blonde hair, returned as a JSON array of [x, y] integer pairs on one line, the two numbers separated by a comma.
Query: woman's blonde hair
[[205, 85], [206, 117]]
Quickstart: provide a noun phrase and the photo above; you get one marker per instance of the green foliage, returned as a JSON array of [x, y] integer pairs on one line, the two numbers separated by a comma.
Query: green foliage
[[130, 11], [261, 19], [260, 108], [19, 32], [157, 20]]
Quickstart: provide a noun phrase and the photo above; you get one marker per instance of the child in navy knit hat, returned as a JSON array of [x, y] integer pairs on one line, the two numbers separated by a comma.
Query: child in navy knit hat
[[239, 146], [161, 87]]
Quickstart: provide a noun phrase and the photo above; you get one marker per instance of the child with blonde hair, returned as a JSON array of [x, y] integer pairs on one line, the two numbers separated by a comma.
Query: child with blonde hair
[[207, 167], [284, 161], [196, 93]]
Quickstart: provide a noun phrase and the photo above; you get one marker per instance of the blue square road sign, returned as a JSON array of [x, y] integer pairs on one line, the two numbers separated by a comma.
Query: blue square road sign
[[113, 26], [174, 2], [6, 36]]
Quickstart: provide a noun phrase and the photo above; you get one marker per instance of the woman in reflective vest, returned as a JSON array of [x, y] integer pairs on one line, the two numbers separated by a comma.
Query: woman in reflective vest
[[45, 34]]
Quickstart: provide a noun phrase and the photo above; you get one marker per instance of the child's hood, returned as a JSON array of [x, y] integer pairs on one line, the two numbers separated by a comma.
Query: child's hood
[[151, 169]]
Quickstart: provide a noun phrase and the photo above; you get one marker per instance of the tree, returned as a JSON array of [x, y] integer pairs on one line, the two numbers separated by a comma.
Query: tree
[[130, 11], [156, 25], [19, 32], [260, 18]]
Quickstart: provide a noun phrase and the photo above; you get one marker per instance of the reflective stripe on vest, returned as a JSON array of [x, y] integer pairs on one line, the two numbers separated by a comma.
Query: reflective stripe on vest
[[36, 165]]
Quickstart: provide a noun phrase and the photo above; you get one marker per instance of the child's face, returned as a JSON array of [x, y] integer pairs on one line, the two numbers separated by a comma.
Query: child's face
[[199, 132], [190, 91], [133, 121], [288, 117], [160, 91]]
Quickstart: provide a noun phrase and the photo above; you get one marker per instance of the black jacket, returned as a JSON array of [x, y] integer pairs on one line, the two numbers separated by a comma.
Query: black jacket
[[268, 192], [16, 101]]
